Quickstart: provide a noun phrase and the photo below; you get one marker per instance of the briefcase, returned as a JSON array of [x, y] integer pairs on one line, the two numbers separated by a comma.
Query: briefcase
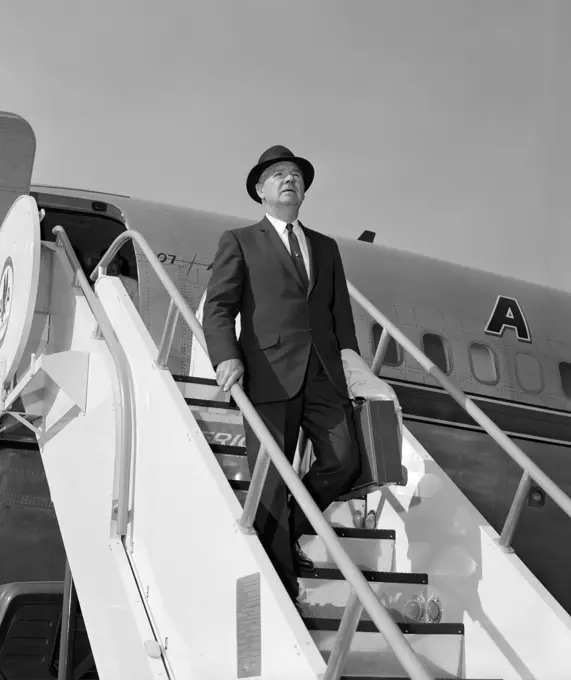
[[380, 447]]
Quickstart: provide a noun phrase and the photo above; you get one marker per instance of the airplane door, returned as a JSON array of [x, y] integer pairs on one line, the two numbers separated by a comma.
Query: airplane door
[[17, 154]]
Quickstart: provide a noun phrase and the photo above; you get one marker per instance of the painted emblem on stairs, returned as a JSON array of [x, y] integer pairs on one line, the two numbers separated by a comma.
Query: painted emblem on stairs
[[20, 245], [6, 296]]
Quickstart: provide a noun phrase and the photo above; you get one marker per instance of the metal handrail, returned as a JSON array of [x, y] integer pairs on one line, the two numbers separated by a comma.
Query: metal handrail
[[379, 615], [557, 494], [381, 353], [125, 422]]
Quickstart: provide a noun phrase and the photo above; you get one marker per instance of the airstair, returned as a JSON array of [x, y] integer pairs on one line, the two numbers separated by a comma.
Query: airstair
[[148, 476]]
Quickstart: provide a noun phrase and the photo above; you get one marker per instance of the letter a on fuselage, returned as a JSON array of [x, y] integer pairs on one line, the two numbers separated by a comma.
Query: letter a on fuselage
[[508, 314]]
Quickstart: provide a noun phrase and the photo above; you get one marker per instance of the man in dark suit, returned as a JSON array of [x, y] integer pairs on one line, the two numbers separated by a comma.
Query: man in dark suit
[[288, 285]]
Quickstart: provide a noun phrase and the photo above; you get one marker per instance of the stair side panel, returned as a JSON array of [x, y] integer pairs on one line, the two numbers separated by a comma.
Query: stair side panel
[[79, 462], [187, 551], [514, 628]]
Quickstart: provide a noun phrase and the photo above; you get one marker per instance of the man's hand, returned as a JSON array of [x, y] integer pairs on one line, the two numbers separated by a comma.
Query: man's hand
[[229, 372]]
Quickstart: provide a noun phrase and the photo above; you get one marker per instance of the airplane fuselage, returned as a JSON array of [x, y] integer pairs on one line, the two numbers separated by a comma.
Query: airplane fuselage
[[505, 342]]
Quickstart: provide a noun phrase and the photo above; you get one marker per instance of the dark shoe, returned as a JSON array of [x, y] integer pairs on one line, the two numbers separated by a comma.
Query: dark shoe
[[301, 560]]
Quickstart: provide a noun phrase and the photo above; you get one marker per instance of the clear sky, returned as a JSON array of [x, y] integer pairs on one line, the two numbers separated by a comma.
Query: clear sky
[[443, 125]]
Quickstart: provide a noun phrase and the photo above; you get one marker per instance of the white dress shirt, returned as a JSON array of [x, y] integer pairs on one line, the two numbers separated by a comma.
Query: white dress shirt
[[280, 227]]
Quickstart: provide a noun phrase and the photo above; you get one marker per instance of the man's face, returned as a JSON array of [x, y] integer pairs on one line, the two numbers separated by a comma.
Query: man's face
[[281, 184]]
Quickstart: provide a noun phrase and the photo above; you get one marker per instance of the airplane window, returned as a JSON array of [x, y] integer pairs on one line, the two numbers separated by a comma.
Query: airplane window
[[565, 375], [529, 372], [484, 366], [393, 356], [433, 347]]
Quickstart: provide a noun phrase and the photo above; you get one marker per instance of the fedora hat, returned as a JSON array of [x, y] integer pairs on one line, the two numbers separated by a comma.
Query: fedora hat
[[275, 154]]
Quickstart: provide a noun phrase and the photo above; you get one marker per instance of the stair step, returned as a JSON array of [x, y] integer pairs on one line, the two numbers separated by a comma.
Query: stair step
[[362, 533], [345, 514], [325, 593], [211, 404], [193, 381], [438, 646], [332, 625], [371, 549], [232, 460], [220, 426], [370, 575], [204, 389], [240, 484], [206, 393], [234, 465], [228, 449]]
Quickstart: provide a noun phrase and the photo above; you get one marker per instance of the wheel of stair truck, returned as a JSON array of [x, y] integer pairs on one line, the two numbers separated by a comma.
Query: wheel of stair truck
[[20, 245]]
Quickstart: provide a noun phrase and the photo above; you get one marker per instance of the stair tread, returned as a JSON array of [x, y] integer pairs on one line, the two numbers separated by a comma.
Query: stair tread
[[348, 532], [329, 574], [239, 484], [193, 380], [228, 449], [365, 626], [209, 403], [342, 532]]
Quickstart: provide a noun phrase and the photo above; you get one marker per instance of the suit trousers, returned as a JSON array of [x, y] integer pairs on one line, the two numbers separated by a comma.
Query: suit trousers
[[326, 418]]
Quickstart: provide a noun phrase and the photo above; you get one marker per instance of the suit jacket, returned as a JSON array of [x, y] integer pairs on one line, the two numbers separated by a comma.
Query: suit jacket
[[253, 274]]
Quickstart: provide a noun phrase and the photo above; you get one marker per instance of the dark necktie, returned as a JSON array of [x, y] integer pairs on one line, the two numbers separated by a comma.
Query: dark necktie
[[296, 255]]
